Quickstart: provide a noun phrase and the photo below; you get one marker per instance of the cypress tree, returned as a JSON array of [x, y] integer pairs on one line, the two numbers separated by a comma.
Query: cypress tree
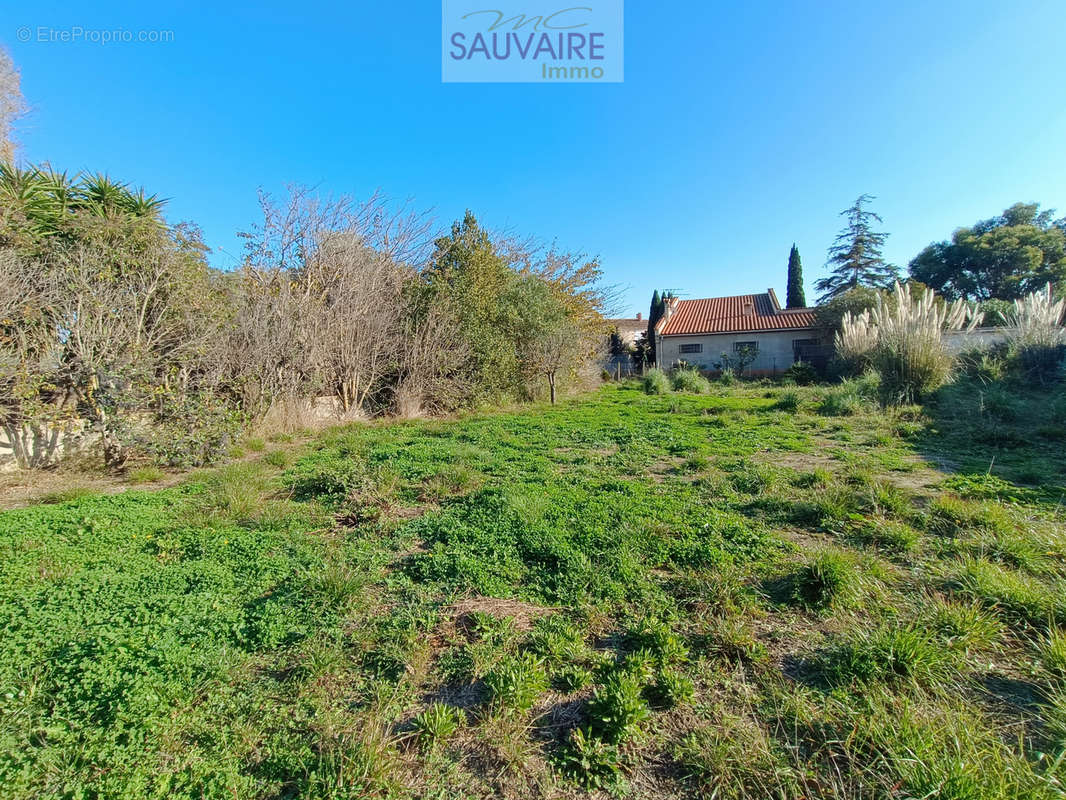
[[653, 317], [794, 296]]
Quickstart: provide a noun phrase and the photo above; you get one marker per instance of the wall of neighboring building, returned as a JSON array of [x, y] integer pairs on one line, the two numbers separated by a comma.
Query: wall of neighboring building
[[775, 349], [981, 339], [629, 330]]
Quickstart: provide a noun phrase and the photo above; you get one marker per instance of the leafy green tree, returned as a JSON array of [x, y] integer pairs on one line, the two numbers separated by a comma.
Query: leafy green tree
[[795, 297], [855, 258], [1002, 258], [467, 268], [547, 340]]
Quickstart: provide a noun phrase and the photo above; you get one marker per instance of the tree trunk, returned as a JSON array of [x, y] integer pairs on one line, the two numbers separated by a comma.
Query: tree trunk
[[551, 386]]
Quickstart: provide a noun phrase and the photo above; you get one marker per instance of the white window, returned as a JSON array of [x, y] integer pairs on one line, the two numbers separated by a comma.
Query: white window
[[690, 348], [752, 346]]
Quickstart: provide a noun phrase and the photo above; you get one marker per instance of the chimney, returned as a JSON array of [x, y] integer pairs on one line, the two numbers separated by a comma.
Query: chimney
[[668, 312], [638, 316]]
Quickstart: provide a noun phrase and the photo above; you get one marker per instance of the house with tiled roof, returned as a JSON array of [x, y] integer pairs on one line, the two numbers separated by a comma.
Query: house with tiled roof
[[699, 332]]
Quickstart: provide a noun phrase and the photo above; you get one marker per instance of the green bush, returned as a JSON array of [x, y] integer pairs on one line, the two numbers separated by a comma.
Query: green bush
[[689, 379], [983, 365], [801, 373], [656, 382], [192, 430], [840, 401]]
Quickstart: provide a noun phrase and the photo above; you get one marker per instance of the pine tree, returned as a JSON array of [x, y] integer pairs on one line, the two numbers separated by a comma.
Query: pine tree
[[855, 258], [795, 297]]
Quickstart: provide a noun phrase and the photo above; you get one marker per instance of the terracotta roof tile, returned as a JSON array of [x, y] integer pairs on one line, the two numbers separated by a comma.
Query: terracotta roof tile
[[729, 315]]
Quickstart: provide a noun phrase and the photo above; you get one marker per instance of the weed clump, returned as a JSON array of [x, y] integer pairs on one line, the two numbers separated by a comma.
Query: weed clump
[[830, 579], [589, 760], [671, 689], [1053, 652], [436, 724], [788, 401], [276, 458], [735, 759], [896, 538], [515, 684], [840, 401], [655, 381], [138, 475], [688, 379], [964, 626], [1016, 595], [617, 708], [886, 654]]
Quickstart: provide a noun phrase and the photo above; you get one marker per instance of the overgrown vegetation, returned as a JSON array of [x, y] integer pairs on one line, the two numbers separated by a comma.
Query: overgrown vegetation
[[733, 594], [116, 333]]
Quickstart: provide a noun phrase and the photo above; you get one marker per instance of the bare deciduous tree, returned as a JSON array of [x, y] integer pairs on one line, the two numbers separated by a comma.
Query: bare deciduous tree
[[12, 105]]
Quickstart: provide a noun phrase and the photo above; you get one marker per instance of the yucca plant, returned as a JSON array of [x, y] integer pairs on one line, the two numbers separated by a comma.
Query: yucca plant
[[903, 341], [45, 198], [1035, 334]]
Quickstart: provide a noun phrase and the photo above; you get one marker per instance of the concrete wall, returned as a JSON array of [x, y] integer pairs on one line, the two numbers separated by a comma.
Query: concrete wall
[[775, 349], [960, 341]]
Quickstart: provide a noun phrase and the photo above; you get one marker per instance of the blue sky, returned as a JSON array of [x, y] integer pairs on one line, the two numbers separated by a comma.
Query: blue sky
[[739, 129]]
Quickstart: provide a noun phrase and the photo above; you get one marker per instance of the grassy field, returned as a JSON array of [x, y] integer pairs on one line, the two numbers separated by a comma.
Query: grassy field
[[760, 592]]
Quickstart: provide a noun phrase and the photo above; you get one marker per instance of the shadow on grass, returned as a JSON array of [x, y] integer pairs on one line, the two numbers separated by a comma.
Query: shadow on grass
[[1010, 432]]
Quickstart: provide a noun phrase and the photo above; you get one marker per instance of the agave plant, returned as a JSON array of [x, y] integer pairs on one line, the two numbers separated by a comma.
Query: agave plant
[[1035, 333]]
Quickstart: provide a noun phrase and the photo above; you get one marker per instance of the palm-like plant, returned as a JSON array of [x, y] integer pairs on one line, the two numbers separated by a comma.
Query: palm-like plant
[[44, 199], [101, 195], [139, 204]]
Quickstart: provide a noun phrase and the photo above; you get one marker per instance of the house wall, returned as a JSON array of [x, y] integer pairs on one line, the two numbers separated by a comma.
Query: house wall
[[980, 339], [775, 349]]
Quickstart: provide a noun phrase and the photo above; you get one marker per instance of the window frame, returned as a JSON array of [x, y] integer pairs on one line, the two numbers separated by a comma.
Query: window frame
[[690, 349]]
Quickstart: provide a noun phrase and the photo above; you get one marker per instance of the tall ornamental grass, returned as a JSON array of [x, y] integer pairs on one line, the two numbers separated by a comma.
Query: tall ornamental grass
[[902, 340], [1036, 338]]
